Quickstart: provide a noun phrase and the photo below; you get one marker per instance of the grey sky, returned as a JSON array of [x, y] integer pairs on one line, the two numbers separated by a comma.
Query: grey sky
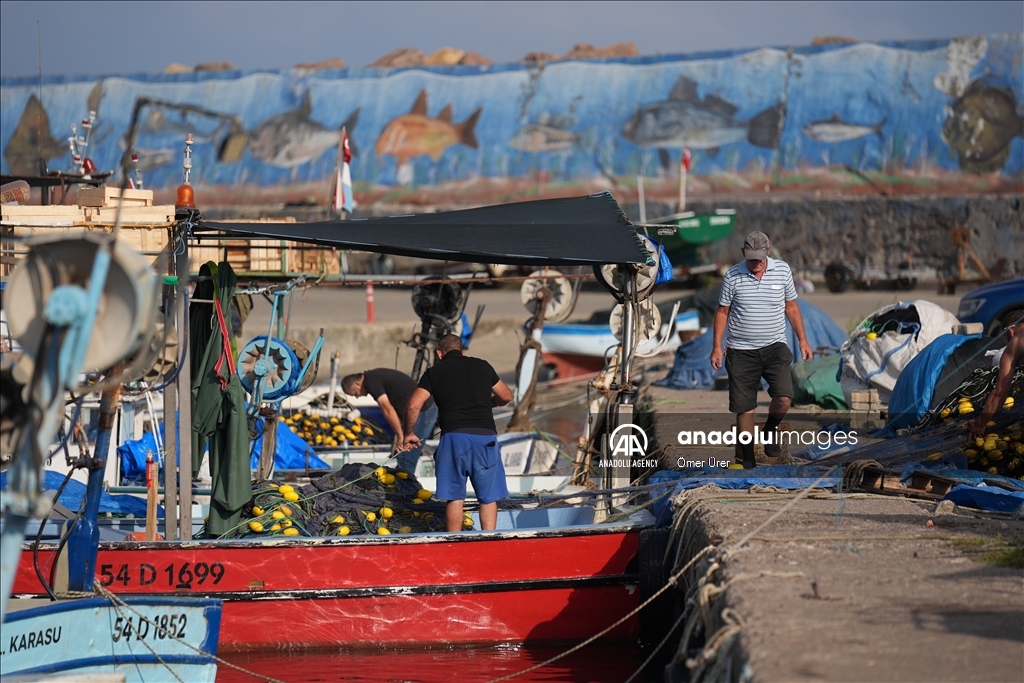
[[102, 38]]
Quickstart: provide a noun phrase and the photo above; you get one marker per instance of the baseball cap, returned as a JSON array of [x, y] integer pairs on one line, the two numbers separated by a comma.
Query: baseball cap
[[756, 246]]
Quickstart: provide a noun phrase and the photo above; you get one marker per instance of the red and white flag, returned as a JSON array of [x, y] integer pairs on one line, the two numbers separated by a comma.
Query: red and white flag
[[341, 191]]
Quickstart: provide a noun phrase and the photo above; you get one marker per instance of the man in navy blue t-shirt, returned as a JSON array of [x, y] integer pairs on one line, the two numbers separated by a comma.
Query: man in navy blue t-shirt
[[464, 390]]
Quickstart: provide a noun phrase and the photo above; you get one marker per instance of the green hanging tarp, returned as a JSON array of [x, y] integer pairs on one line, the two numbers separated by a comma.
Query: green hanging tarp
[[218, 403]]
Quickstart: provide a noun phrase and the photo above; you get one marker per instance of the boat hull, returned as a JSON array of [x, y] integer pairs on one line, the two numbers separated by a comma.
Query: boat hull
[[145, 640], [486, 587]]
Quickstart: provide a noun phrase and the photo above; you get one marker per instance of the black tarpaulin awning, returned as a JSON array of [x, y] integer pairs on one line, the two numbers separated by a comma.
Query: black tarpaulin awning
[[572, 231]]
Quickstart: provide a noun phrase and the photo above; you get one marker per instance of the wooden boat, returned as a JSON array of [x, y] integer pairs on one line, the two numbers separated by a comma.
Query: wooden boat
[[544, 575], [684, 234], [582, 348]]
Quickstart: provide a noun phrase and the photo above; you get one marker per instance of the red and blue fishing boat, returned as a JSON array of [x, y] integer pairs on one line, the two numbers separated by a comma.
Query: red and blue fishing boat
[[554, 572]]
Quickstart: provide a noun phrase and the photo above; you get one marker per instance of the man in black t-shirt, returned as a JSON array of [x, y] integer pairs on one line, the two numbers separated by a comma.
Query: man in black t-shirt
[[464, 390], [392, 390]]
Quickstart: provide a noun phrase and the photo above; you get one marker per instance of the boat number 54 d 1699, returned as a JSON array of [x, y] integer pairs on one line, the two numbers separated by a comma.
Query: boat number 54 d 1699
[[181, 576]]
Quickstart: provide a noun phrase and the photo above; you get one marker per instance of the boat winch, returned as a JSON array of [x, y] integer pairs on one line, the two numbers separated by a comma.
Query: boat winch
[[272, 369]]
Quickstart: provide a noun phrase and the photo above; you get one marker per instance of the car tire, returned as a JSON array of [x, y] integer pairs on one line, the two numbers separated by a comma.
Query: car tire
[[995, 328], [838, 277]]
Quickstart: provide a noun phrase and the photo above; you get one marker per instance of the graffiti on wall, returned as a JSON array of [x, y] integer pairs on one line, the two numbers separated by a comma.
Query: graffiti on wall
[[913, 117]]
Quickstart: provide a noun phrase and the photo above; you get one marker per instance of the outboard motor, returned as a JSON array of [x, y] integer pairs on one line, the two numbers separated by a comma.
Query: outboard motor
[[439, 308]]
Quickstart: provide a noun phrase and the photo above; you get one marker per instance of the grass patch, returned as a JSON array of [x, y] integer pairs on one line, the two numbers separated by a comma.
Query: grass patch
[[853, 323], [1011, 557], [996, 552]]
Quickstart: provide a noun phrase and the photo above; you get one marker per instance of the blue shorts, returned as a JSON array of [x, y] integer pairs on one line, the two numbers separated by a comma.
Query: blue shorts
[[475, 456]]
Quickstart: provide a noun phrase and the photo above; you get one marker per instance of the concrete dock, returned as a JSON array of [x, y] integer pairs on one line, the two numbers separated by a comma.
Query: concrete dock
[[854, 587]]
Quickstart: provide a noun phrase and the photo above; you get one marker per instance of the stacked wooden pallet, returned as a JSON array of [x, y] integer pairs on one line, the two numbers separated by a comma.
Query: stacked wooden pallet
[[144, 227]]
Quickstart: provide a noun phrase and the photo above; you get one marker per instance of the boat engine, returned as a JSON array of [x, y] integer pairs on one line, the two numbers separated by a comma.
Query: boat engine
[[439, 308]]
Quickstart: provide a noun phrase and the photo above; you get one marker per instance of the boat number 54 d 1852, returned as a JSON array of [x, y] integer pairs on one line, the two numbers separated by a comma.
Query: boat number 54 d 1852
[[162, 627], [181, 576]]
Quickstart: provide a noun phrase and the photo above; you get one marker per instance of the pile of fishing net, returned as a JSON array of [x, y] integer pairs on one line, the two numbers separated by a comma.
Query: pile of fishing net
[[357, 499], [1001, 449]]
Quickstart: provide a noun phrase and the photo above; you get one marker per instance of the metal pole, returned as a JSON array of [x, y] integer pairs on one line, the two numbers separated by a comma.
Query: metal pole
[[84, 540], [628, 323], [265, 468], [640, 199], [172, 431], [335, 358], [184, 392], [622, 412]]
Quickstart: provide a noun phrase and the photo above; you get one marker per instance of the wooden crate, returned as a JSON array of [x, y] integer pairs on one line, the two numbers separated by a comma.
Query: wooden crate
[[245, 256], [108, 197], [313, 260], [145, 229], [84, 216]]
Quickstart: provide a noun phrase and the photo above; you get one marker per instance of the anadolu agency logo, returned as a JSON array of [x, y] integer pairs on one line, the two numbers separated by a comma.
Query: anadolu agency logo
[[628, 444]]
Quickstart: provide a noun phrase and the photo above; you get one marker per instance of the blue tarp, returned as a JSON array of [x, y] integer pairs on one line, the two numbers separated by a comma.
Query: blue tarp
[[74, 493], [912, 395], [290, 453], [692, 368], [986, 498], [132, 455]]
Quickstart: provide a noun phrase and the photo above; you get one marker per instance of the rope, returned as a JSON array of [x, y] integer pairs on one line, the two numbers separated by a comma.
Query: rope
[[664, 640], [119, 604], [719, 644]]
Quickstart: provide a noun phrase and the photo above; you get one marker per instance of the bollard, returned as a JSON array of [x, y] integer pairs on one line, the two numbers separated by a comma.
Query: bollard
[[370, 317]]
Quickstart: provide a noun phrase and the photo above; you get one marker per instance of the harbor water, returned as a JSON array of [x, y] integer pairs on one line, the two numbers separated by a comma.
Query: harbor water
[[598, 662]]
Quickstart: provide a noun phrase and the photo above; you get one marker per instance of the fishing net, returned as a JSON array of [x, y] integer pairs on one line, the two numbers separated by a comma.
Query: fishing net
[[320, 430], [356, 499], [1001, 449], [943, 432]]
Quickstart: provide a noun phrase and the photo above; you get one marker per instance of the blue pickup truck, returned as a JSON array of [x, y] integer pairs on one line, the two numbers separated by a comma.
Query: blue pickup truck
[[991, 304]]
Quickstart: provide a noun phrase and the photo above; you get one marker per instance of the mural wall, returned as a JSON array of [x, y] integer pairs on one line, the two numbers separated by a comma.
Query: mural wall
[[901, 118]]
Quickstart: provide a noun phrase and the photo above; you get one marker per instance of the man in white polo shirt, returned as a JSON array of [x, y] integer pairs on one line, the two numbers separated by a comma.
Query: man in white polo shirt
[[757, 297]]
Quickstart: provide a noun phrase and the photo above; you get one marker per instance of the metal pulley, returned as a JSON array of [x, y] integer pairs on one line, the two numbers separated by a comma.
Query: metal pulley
[[551, 287], [646, 325], [614, 276]]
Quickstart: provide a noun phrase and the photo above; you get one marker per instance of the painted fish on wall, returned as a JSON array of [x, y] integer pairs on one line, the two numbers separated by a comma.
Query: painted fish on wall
[[31, 141], [836, 130], [291, 139], [981, 124], [416, 134], [551, 133], [686, 120]]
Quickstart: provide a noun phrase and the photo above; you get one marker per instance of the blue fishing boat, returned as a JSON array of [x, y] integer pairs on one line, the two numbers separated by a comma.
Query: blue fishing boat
[[150, 639]]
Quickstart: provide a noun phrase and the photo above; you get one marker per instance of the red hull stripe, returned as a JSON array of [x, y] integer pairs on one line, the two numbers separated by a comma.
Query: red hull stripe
[[381, 591]]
